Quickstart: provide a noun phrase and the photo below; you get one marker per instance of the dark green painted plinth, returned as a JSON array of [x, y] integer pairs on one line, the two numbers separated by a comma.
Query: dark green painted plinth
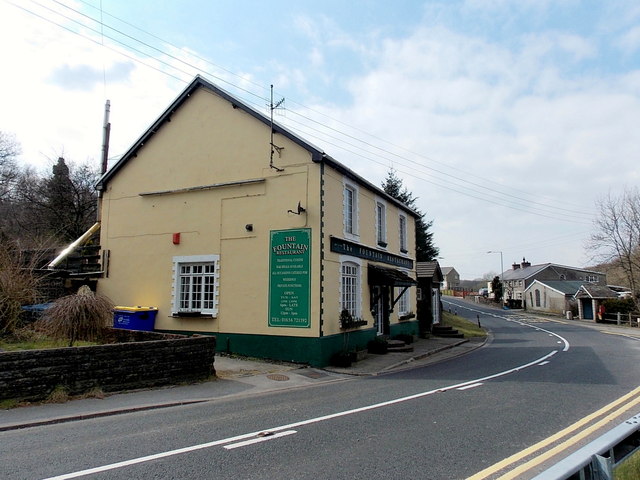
[[314, 351]]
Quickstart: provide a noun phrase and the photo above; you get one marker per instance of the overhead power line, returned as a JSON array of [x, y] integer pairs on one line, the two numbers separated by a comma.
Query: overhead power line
[[479, 188]]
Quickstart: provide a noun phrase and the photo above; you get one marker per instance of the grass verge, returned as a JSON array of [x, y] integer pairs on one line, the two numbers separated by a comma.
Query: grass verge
[[10, 344], [464, 326], [629, 469]]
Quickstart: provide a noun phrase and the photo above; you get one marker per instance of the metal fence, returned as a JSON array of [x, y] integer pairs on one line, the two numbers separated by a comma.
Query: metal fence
[[597, 460]]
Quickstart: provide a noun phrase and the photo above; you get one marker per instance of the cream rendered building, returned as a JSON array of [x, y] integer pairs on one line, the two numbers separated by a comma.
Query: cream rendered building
[[262, 247]]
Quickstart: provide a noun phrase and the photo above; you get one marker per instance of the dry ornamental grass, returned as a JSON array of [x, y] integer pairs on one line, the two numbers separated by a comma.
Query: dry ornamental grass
[[17, 287], [82, 316]]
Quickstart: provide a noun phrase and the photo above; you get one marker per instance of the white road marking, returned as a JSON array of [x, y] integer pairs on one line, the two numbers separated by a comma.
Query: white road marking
[[259, 439], [512, 319], [279, 430], [473, 385], [544, 363], [247, 436]]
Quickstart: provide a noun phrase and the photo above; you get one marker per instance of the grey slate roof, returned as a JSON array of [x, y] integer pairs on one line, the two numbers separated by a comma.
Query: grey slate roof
[[429, 270], [565, 287], [527, 272], [596, 291], [524, 273]]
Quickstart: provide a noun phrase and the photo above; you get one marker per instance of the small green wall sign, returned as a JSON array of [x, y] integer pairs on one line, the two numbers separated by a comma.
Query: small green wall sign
[[290, 278]]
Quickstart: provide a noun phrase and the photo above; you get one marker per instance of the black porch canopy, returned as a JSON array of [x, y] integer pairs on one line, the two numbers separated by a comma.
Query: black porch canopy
[[389, 277]]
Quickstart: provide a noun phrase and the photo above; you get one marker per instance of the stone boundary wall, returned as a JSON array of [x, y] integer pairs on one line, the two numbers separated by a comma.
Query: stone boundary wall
[[32, 375]]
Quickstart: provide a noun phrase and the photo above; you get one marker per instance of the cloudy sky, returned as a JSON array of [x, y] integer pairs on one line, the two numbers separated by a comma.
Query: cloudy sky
[[509, 119]]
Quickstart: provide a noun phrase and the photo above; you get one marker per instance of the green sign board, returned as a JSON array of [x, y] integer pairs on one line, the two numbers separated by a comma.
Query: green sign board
[[290, 278]]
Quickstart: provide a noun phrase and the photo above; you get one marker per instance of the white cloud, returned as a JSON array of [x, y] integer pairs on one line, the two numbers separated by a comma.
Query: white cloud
[[629, 41], [511, 120], [463, 115], [64, 74]]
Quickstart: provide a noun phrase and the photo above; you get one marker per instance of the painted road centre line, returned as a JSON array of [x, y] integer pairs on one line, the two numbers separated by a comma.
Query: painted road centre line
[[614, 410], [473, 385], [258, 434], [265, 438], [561, 339]]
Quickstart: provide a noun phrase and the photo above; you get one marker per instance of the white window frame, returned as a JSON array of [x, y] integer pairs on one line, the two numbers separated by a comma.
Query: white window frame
[[357, 291], [404, 303], [402, 225], [350, 212], [381, 223], [214, 277]]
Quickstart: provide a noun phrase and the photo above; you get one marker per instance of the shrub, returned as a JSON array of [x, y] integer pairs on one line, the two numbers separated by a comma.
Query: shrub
[[58, 395], [622, 305], [82, 316], [342, 359], [18, 287], [348, 321]]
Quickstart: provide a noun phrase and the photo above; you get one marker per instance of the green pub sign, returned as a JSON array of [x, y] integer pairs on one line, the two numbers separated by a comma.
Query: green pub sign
[[290, 278]]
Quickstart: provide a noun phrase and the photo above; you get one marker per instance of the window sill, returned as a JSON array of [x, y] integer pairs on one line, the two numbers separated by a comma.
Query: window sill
[[192, 315], [353, 324]]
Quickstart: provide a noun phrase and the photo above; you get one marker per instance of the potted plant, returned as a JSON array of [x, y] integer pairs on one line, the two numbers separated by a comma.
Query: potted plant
[[342, 359], [348, 321]]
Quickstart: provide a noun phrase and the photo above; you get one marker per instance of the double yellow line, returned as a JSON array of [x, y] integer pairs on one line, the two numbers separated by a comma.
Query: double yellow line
[[621, 405]]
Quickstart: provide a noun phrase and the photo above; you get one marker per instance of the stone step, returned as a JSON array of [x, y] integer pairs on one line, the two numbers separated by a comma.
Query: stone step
[[398, 346], [405, 348], [441, 328], [454, 334], [446, 331]]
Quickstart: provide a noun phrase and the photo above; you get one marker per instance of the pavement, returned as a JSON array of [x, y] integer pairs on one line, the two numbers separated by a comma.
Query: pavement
[[235, 376]]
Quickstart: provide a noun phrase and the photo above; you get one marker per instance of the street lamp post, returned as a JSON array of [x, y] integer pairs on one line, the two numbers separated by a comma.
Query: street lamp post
[[501, 270]]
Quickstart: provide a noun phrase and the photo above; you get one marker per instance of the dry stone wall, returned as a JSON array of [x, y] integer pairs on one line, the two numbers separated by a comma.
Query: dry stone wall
[[33, 374]]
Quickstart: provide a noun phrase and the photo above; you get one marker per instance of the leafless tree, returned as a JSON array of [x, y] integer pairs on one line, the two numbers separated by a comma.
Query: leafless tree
[[9, 150], [18, 286], [616, 238], [62, 205]]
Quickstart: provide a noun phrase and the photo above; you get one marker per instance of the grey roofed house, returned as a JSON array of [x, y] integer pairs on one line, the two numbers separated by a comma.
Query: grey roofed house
[[599, 292], [522, 275], [590, 297], [451, 278]]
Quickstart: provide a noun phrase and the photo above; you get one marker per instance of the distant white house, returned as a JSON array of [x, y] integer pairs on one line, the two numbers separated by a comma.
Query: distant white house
[[552, 296]]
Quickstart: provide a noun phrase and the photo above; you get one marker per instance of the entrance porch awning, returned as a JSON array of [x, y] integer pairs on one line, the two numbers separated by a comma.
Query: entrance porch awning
[[389, 276]]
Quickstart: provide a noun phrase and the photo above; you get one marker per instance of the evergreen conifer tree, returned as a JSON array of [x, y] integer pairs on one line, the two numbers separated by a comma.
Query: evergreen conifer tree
[[426, 251]]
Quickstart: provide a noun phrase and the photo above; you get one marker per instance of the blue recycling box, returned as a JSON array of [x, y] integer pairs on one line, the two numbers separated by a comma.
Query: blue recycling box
[[135, 318]]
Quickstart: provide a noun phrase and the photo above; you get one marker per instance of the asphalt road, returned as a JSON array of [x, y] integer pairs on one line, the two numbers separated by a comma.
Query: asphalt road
[[444, 421]]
